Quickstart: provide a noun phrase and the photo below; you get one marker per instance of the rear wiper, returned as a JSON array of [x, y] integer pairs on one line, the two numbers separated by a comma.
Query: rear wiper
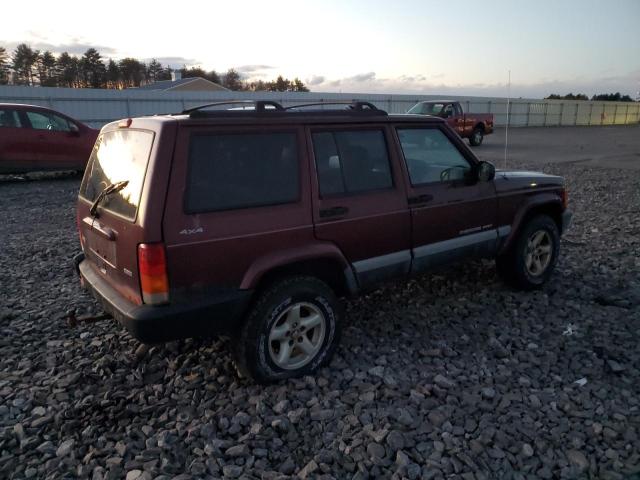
[[113, 188]]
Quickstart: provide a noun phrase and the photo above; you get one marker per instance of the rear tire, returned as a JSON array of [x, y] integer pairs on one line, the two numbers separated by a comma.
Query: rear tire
[[477, 136], [529, 262], [292, 330]]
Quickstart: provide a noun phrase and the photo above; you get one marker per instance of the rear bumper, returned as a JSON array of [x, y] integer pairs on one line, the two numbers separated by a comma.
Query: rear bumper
[[218, 312], [567, 216]]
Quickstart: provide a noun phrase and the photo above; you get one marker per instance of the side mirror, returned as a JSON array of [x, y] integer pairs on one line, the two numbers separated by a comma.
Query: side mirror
[[486, 171], [73, 128]]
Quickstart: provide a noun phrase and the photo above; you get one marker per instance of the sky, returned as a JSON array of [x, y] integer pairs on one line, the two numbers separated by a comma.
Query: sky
[[460, 47]]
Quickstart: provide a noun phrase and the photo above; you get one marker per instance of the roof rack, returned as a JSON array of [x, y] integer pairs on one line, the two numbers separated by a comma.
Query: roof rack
[[356, 105], [259, 105], [272, 108]]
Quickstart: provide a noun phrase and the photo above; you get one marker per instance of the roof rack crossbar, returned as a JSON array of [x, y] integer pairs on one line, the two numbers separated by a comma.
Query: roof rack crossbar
[[260, 105], [353, 105]]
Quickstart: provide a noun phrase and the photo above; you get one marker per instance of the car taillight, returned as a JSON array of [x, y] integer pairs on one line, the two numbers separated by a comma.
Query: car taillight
[[152, 265], [565, 198]]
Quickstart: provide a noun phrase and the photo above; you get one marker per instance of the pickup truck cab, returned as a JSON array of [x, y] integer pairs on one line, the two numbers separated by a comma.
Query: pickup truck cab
[[473, 126], [256, 221]]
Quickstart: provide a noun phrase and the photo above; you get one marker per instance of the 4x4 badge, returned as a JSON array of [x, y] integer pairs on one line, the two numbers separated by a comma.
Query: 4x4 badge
[[191, 231]]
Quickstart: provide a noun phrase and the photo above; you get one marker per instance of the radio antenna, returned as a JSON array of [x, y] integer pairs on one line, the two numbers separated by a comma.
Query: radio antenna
[[506, 128]]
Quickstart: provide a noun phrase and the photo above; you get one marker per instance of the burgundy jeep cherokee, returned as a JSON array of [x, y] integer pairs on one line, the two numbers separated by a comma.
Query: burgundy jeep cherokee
[[255, 220]]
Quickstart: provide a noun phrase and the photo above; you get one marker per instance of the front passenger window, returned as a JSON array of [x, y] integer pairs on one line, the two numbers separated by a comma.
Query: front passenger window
[[43, 121], [431, 157]]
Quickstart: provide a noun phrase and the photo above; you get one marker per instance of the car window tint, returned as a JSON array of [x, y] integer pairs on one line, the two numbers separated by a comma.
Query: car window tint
[[431, 157], [9, 119], [351, 162], [59, 124], [241, 170], [47, 121], [39, 121]]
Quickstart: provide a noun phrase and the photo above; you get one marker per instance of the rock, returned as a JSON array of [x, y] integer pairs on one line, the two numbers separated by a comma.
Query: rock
[[308, 470], [287, 466], [527, 450], [376, 451], [65, 448], [443, 382], [488, 392], [237, 451], [231, 471], [395, 440], [133, 474], [413, 471], [615, 367], [402, 459], [321, 415], [578, 459], [436, 418], [281, 407]]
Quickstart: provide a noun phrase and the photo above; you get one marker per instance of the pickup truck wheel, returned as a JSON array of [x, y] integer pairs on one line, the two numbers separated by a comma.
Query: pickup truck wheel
[[530, 261], [476, 137], [291, 331]]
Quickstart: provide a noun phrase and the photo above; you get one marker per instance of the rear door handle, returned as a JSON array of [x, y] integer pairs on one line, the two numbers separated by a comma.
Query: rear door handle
[[333, 212], [424, 198]]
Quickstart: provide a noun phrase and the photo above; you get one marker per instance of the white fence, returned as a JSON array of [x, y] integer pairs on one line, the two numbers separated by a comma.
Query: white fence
[[97, 107]]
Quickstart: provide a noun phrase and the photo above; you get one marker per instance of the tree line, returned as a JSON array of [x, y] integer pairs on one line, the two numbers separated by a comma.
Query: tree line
[[26, 66], [602, 97]]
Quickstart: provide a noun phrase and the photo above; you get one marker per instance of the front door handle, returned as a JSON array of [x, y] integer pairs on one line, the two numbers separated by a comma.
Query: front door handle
[[333, 212], [424, 198]]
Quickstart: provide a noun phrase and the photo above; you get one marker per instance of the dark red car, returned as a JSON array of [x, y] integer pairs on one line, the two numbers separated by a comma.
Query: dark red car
[[37, 138], [255, 222]]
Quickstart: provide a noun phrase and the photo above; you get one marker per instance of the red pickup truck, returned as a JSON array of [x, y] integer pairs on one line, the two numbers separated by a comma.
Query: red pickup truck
[[473, 126]]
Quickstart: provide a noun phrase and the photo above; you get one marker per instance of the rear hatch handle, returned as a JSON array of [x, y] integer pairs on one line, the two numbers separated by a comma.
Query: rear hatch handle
[[103, 231]]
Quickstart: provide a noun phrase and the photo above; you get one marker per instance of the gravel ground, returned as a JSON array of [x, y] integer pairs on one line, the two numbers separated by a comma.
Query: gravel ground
[[449, 375]]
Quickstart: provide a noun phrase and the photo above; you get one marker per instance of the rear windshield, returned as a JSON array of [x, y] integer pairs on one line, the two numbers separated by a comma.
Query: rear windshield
[[427, 108], [118, 156]]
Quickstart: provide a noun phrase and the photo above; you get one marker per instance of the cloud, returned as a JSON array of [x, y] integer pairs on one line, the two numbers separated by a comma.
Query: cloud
[[74, 47], [362, 77], [316, 80], [249, 69], [174, 62], [627, 84]]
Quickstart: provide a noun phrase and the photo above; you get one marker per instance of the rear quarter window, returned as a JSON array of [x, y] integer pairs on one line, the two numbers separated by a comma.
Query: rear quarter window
[[244, 170]]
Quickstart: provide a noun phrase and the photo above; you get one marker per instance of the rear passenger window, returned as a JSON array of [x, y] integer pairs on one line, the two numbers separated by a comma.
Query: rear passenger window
[[9, 119], [351, 162], [241, 170]]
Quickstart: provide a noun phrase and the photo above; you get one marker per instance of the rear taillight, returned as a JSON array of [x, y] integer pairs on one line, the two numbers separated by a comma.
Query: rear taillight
[[565, 198], [152, 265]]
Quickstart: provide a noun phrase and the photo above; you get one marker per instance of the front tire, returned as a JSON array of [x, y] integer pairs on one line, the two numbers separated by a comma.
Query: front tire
[[291, 331], [477, 136], [530, 261]]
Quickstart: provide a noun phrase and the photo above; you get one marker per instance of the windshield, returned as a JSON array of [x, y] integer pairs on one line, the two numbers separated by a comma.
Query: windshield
[[427, 108], [118, 156]]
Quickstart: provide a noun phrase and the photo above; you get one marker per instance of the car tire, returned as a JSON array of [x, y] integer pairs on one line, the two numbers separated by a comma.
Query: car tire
[[292, 330], [529, 262], [476, 138]]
